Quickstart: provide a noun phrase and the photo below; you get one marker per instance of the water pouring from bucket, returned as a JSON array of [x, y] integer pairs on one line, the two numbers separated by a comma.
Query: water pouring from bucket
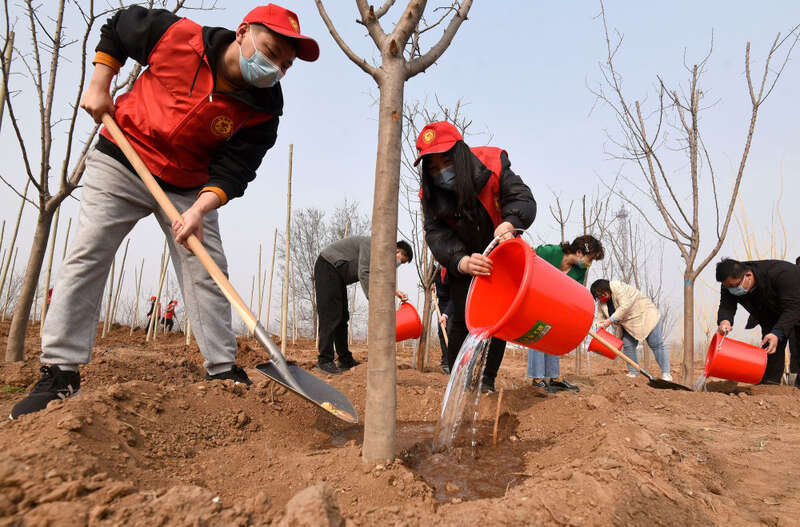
[[524, 300]]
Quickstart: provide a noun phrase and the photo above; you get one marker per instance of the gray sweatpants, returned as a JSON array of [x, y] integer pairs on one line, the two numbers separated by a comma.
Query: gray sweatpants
[[114, 199]]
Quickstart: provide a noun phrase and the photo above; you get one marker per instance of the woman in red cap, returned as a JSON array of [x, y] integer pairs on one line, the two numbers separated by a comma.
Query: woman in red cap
[[469, 197]]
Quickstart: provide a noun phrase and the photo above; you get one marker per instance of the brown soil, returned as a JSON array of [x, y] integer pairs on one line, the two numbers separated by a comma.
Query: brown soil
[[149, 442]]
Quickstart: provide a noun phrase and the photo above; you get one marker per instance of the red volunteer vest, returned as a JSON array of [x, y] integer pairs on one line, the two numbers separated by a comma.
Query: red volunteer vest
[[489, 196], [173, 126]]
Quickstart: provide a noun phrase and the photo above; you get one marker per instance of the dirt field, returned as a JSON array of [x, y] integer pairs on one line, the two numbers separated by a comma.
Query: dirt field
[[149, 443]]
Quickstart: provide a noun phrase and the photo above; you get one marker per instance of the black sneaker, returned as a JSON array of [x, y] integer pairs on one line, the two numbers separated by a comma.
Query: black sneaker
[[235, 374], [539, 383], [347, 363], [329, 367], [562, 384], [487, 385], [55, 384]]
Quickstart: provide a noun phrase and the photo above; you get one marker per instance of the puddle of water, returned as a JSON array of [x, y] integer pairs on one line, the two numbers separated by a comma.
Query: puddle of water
[[471, 469], [464, 385]]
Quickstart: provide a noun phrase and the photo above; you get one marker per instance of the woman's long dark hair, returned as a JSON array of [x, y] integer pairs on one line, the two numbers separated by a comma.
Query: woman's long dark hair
[[440, 204]]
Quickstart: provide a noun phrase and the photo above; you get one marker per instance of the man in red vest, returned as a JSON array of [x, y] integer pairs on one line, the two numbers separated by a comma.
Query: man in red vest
[[202, 115], [169, 315]]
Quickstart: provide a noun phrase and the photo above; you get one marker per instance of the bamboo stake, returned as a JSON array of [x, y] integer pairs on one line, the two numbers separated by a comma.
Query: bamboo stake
[[11, 280], [106, 323], [294, 310], [138, 282], [285, 302], [7, 52], [497, 417], [35, 305], [252, 290], [14, 237], [2, 236], [119, 282], [188, 329], [154, 314], [260, 287], [51, 250], [66, 238], [271, 273]]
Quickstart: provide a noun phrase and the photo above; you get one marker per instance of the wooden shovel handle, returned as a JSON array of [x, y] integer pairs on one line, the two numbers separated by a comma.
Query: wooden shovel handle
[[439, 315], [195, 245], [619, 354]]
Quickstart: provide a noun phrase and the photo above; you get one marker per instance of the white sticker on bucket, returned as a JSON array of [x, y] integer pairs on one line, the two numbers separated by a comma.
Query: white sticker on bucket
[[538, 331]]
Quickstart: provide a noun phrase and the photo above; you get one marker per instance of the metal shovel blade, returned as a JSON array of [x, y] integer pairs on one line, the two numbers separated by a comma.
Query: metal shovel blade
[[313, 389], [661, 384]]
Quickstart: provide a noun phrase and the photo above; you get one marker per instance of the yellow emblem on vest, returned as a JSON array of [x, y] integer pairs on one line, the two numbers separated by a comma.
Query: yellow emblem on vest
[[428, 136], [222, 126]]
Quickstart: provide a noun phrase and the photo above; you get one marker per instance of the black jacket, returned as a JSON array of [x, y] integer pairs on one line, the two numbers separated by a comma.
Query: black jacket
[[134, 32], [774, 302], [449, 243], [443, 292]]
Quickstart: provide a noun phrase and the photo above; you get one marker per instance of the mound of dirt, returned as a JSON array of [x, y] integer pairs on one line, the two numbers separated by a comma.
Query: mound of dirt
[[148, 441]]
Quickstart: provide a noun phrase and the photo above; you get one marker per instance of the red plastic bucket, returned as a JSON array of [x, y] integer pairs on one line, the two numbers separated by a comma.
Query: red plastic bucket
[[597, 347], [528, 301], [734, 360], [409, 326]]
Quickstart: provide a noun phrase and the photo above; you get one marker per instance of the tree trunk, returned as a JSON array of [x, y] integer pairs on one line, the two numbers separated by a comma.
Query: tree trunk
[[426, 330], [19, 322], [381, 407], [271, 274], [688, 329]]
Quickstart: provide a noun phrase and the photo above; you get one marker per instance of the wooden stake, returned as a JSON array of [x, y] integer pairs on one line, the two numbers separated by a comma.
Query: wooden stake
[[2, 235], [13, 241], [271, 272], [66, 239], [10, 282], [285, 302], [497, 417], [259, 280], [151, 327], [188, 329], [294, 310], [119, 282], [252, 290], [106, 323], [9, 49], [138, 282], [51, 250]]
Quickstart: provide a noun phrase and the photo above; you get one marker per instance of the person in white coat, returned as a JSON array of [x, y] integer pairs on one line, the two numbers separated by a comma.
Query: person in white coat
[[623, 305]]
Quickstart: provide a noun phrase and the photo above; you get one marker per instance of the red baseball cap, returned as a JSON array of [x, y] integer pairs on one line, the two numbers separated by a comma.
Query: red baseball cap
[[284, 22], [436, 138]]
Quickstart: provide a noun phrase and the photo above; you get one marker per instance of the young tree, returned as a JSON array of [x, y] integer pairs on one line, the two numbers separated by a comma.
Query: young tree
[[50, 47], [644, 143], [401, 59]]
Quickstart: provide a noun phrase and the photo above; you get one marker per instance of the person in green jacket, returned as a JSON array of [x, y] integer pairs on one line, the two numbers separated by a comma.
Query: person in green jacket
[[574, 260]]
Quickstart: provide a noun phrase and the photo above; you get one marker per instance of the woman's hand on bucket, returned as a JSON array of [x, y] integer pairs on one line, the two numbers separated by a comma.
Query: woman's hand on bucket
[[770, 343], [724, 327], [504, 231], [476, 265]]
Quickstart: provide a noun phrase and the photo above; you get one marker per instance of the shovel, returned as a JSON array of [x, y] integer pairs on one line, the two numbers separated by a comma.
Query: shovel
[[652, 381], [291, 376]]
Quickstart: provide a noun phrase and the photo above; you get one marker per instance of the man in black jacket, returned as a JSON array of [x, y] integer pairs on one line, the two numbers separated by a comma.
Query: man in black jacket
[[340, 264], [770, 291]]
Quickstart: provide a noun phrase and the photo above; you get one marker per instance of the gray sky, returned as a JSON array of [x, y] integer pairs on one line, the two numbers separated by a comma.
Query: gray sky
[[522, 68]]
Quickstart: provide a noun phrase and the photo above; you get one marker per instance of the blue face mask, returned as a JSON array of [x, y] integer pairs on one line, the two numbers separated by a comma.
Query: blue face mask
[[739, 290], [258, 70], [582, 264], [445, 179]]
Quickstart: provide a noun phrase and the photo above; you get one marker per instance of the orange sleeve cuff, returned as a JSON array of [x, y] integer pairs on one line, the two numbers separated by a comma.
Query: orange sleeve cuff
[[218, 191], [108, 60]]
